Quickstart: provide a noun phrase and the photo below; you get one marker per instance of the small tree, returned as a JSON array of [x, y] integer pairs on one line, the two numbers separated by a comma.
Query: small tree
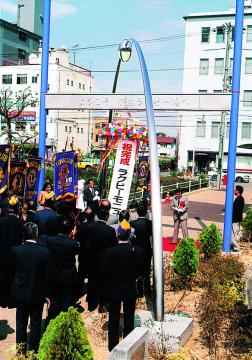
[[65, 338], [12, 104], [186, 259], [210, 241], [247, 226]]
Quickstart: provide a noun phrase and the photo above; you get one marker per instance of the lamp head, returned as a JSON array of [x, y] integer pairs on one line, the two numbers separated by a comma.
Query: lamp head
[[125, 49]]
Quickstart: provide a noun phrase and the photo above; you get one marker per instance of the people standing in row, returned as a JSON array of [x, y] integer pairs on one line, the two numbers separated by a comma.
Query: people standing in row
[[31, 265], [143, 239], [238, 208], [179, 206], [122, 265]]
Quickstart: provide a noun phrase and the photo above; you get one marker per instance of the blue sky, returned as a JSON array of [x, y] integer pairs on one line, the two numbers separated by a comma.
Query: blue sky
[[101, 22]]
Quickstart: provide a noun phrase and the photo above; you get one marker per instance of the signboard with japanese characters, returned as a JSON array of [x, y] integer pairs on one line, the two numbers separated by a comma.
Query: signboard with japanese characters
[[122, 175]]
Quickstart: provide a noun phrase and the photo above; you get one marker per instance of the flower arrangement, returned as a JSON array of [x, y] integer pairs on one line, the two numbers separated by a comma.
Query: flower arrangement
[[132, 132]]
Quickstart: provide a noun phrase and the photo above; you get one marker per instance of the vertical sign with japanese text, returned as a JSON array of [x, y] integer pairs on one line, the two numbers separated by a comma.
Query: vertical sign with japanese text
[[122, 175]]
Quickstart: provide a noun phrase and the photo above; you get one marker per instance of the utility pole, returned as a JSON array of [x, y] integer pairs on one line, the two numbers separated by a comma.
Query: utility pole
[[228, 28]]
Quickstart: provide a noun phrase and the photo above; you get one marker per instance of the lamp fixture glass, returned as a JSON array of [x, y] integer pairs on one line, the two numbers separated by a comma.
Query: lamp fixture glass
[[125, 50]]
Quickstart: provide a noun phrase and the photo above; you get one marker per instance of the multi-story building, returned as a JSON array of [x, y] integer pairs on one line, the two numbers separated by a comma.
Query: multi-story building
[[16, 43], [166, 145], [204, 63], [30, 15], [65, 129]]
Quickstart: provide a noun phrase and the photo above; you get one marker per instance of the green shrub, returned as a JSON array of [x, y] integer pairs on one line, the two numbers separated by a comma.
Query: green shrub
[[65, 338], [186, 259], [247, 226], [221, 269], [49, 174], [210, 241]]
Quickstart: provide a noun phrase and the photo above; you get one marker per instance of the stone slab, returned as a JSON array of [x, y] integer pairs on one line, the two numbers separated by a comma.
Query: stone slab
[[172, 333], [134, 346]]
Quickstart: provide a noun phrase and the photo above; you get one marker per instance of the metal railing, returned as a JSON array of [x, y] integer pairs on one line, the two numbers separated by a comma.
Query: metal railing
[[186, 186]]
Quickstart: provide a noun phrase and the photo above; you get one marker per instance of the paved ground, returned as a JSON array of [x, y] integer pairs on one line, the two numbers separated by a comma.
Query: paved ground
[[205, 206]]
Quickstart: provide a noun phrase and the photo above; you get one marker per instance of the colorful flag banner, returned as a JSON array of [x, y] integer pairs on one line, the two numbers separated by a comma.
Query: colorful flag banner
[[4, 167], [143, 173], [17, 178], [64, 174], [76, 175], [32, 178], [122, 175]]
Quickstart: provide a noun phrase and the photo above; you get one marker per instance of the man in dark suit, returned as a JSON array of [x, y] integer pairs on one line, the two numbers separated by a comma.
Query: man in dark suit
[[238, 207], [10, 235], [101, 236], [29, 289], [143, 233], [41, 218], [89, 193], [122, 265], [83, 237], [63, 274]]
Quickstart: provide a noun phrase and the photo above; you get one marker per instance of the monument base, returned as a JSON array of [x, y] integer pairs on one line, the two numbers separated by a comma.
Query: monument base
[[170, 334]]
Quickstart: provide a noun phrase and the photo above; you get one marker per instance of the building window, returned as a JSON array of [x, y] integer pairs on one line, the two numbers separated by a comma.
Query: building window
[[217, 91], [67, 81], [71, 82], [65, 128], [200, 129], [233, 33], [32, 127], [204, 65], [248, 66], [79, 85], [7, 79], [202, 91], [220, 34], [21, 79], [70, 129], [21, 54], [249, 33], [81, 130], [205, 34], [231, 62], [246, 130], [83, 86], [22, 36], [34, 79], [215, 129], [247, 98], [227, 130], [219, 66], [78, 130], [20, 126]]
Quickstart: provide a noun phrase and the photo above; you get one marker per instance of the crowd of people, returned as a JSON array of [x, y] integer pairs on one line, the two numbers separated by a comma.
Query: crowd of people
[[52, 254]]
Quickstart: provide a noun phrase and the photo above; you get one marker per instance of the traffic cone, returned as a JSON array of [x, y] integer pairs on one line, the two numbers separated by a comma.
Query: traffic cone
[[167, 198]]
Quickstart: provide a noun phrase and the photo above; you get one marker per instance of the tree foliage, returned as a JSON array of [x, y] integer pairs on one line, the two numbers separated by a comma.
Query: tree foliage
[[12, 103], [186, 259], [210, 241], [65, 338]]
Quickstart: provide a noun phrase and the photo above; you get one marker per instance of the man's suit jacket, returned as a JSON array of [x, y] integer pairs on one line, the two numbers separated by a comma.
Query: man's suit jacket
[[143, 233], [179, 215], [88, 196], [10, 235], [41, 218], [238, 207], [121, 265], [83, 238], [31, 264], [63, 252], [102, 236]]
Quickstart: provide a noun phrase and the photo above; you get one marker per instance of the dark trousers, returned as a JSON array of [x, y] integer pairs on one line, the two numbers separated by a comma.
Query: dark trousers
[[23, 313], [63, 298], [114, 320], [147, 272]]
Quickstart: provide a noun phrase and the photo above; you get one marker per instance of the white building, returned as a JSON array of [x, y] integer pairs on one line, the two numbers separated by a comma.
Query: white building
[[65, 129], [204, 62]]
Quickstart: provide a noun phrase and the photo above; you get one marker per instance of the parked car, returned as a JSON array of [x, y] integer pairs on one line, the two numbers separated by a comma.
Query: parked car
[[239, 177], [88, 163]]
